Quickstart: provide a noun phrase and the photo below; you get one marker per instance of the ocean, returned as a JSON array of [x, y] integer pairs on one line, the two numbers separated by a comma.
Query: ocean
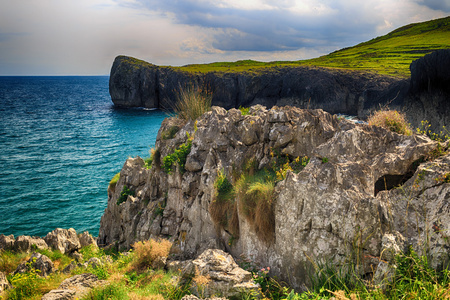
[[61, 142]]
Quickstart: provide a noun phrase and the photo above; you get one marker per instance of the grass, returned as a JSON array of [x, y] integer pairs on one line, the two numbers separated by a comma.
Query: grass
[[113, 182], [191, 104], [124, 194], [391, 120], [390, 54], [177, 157]]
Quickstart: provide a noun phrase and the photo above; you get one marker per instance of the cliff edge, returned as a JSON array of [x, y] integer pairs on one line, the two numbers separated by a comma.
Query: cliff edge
[[340, 191]]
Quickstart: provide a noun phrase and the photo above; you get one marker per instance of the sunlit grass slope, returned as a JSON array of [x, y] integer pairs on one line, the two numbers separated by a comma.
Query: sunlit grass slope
[[390, 54]]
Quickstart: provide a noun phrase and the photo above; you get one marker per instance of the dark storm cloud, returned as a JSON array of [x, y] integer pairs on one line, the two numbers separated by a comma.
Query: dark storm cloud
[[273, 29], [443, 5]]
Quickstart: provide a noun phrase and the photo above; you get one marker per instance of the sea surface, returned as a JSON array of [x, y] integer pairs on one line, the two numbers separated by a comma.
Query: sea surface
[[61, 142]]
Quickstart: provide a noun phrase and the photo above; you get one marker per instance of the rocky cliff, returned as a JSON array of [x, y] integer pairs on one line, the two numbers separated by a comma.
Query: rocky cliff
[[360, 194], [134, 83]]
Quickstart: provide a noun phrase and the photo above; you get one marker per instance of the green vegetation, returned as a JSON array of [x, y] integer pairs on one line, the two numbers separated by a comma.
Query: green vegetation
[[113, 182], [390, 54], [155, 155], [390, 119], [253, 190], [442, 136], [244, 110], [124, 194], [178, 157], [192, 103]]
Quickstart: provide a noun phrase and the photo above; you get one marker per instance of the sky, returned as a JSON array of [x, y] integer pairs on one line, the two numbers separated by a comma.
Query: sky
[[82, 37]]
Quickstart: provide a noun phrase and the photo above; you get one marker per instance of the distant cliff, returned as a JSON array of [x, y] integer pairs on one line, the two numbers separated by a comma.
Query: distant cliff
[[135, 83]]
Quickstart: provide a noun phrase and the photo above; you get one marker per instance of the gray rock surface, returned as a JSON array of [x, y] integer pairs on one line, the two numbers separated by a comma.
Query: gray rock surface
[[25, 243], [371, 188], [40, 262], [4, 284], [74, 287], [86, 239], [64, 240], [7, 242]]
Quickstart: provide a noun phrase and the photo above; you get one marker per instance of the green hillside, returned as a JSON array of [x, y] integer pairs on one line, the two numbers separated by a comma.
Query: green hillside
[[390, 54]]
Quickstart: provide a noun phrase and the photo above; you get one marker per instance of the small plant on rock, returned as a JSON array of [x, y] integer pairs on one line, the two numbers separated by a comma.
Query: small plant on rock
[[178, 157], [391, 120], [124, 195], [192, 103]]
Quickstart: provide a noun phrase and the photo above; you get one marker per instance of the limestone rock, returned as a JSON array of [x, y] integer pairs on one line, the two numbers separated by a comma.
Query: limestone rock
[[86, 239], [74, 287], [40, 262], [216, 272], [7, 242], [64, 240], [4, 284], [26, 243], [365, 194]]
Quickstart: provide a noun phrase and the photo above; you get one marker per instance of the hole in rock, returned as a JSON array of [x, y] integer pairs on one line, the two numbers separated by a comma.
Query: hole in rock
[[388, 181]]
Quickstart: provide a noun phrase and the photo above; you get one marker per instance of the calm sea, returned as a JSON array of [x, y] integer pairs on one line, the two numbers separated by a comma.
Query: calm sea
[[61, 142]]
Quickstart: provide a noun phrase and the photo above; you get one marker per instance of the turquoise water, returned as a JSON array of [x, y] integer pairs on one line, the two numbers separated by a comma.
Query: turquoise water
[[61, 143]]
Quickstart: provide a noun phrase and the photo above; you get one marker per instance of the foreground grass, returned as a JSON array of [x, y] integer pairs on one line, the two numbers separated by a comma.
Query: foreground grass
[[390, 54], [131, 276]]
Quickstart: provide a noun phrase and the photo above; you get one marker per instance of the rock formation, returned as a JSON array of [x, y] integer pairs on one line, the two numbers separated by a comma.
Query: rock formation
[[134, 83], [39, 262], [74, 287], [365, 192]]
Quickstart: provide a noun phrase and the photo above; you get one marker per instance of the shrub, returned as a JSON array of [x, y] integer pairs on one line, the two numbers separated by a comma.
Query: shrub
[[223, 208], [124, 195], [442, 136], [192, 103], [25, 284], [244, 110], [113, 182], [145, 252], [154, 156], [178, 157], [112, 291], [391, 120]]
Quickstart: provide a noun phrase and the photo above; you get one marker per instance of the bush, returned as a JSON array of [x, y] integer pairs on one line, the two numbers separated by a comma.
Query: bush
[[145, 252], [124, 195], [192, 103], [178, 157], [391, 120], [25, 284], [112, 291]]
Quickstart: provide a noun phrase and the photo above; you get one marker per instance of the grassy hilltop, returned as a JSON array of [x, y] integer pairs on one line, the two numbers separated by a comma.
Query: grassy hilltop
[[390, 54]]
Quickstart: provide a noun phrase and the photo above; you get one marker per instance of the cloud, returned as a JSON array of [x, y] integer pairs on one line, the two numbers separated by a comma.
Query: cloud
[[443, 5]]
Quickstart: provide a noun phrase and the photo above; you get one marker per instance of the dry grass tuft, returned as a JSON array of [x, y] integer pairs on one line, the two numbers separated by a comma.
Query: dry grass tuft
[[391, 120], [192, 103], [145, 252]]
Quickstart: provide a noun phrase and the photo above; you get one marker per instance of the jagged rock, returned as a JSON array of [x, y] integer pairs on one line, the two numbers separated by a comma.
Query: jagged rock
[[86, 239], [392, 245], [70, 267], [64, 240], [216, 273], [7, 242], [40, 262], [74, 287], [345, 197], [193, 297], [4, 284], [26, 243]]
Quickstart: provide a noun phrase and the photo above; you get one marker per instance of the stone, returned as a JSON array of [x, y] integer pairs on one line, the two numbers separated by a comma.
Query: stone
[[4, 284], [86, 239], [74, 287], [40, 262], [26, 243], [64, 240], [7, 242], [215, 272]]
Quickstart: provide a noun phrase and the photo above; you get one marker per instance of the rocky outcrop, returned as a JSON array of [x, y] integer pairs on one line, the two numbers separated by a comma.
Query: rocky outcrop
[[135, 83], [41, 263], [215, 272], [74, 287], [65, 240], [362, 187]]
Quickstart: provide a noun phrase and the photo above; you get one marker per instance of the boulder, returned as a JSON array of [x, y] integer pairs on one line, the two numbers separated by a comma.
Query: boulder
[[4, 284], [64, 240], [216, 273], [86, 239], [39, 262], [26, 243], [75, 287], [7, 242]]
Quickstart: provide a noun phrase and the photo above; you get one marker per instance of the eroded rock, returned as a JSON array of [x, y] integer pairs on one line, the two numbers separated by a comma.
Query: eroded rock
[[64, 240], [39, 262], [74, 287]]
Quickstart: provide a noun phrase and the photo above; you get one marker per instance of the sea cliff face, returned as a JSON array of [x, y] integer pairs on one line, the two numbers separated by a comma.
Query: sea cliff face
[[134, 83], [365, 194]]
